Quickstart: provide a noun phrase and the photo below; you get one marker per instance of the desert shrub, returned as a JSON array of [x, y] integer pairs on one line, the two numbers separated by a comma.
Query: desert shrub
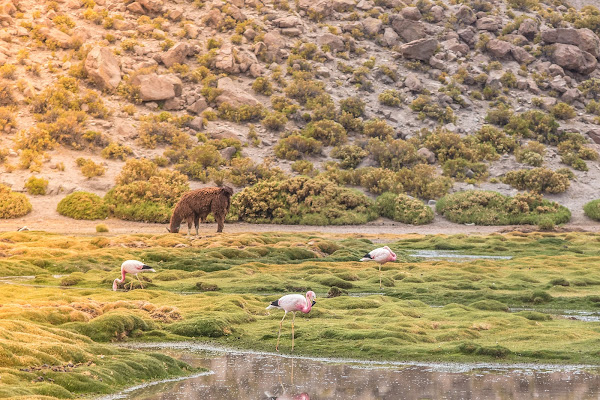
[[491, 208], [116, 151], [591, 88], [302, 200], [284, 105], [462, 169], [145, 193], [499, 116], [328, 132], [12, 204], [350, 155], [243, 113], [303, 167], [532, 154], [243, 171], [536, 125], [158, 129], [83, 205], [7, 119], [592, 209], [428, 109], [36, 185], [302, 88], [501, 142], [353, 106], [393, 154], [262, 85], [89, 168], [101, 228], [274, 121], [294, 146], [540, 180], [523, 5], [195, 161], [563, 111], [390, 97], [378, 128], [403, 208]]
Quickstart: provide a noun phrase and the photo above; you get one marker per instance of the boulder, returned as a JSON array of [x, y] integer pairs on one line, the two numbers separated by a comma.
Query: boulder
[[225, 60], [421, 49], [390, 37], [275, 43], [465, 15], [288, 22], [408, 30], [175, 55], [468, 35], [54, 35], [233, 94], [456, 46], [103, 68], [437, 13], [228, 152], [372, 26], [594, 134], [573, 58], [499, 48], [528, 28], [584, 38], [426, 154], [155, 87], [487, 24], [198, 106], [334, 42], [521, 55], [152, 6], [411, 13], [571, 95]]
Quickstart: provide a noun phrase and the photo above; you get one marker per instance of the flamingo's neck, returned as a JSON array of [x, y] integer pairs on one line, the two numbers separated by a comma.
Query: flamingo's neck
[[308, 307]]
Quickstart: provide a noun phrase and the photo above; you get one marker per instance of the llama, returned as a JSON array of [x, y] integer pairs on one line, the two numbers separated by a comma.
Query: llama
[[195, 205]]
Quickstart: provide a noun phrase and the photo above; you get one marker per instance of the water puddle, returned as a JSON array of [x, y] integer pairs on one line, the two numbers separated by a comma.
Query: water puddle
[[255, 375], [452, 255], [578, 315]]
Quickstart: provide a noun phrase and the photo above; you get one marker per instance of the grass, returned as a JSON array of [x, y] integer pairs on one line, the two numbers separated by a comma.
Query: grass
[[229, 279]]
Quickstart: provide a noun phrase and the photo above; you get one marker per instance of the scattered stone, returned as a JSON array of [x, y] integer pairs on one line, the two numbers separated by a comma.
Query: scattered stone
[[408, 30], [426, 154], [233, 94], [103, 68], [175, 55], [155, 87], [411, 13], [573, 58], [421, 49], [487, 24]]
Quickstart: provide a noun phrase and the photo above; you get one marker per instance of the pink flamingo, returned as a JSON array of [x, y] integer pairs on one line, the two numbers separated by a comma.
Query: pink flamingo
[[380, 256], [132, 267], [293, 303]]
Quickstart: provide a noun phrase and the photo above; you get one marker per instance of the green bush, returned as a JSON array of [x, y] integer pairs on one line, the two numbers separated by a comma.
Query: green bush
[[243, 113], [303, 201], [294, 146], [89, 168], [403, 208], [428, 109], [101, 228], [390, 97], [145, 193], [83, 205], [116, 151], [532, 154], [540, 180], [36, 185], [393, 154], [353, 106], [13, 205], [491, 208], [536, 125], [592, 209], [350, 155], [563, 111], [262, 85], [274, 121], [378, 128], [330, 133]]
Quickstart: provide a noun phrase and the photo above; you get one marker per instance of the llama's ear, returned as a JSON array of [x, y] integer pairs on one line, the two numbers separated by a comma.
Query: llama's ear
[[168, 230]]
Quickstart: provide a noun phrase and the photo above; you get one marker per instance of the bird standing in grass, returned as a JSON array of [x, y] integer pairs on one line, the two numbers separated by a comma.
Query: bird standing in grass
[[293, 303], [132, 267], [381, 256]]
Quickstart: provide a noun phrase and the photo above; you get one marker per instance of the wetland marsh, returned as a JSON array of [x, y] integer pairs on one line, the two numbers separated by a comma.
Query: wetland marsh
[[59, 316]]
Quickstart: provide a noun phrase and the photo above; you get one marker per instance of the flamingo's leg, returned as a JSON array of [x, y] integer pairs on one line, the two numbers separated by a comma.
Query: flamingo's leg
[[380, 287], [141, 285], [279, 335], [293, 319]]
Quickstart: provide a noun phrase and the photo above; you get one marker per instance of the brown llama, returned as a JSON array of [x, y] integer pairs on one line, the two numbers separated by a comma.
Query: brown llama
[[196, 204]]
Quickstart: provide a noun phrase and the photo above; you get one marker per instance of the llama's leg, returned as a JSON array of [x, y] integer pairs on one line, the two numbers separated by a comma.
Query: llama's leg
[[220, 218], [196, 222]]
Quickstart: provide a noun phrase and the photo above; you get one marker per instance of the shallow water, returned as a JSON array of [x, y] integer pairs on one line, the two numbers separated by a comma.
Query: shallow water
[[453, 255], [254, 375]]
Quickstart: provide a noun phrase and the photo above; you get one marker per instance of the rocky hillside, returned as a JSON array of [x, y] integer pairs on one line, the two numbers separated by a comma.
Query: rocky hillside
[[422, 98]]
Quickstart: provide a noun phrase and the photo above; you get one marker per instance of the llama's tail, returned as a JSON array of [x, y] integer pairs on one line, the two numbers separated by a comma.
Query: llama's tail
[[227, 190]]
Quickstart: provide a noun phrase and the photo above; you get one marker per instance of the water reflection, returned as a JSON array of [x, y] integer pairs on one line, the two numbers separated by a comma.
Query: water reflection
[[266, 377]]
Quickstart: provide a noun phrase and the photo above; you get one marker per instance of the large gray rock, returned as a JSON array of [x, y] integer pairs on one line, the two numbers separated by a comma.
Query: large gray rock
[[408, 30], [103, 68], [175, 55], [390, 37], [155, 87], [233, 94], [413, 83], [594, 134], [487, 24], [465, 15], [573, 58], [528, 28], [521, 55], [584, 38], [334, 42], [372, 26], [275, 44], [499, 48], [421, 49], [411, 13], [456, 46]]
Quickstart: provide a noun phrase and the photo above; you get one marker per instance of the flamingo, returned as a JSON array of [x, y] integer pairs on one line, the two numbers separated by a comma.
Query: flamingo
[[293, 303], [132, 267], [380, 256]]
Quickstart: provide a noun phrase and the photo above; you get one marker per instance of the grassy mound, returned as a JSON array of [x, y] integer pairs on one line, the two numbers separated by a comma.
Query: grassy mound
[[481, 207], [403, 208], [302, 201], [13, 205], [145, 193], [592, 209], [83, 205]]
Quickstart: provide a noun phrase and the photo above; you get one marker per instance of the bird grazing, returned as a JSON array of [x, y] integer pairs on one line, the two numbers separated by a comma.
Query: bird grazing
[[381, 256], [132, 267], [293, 303]]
